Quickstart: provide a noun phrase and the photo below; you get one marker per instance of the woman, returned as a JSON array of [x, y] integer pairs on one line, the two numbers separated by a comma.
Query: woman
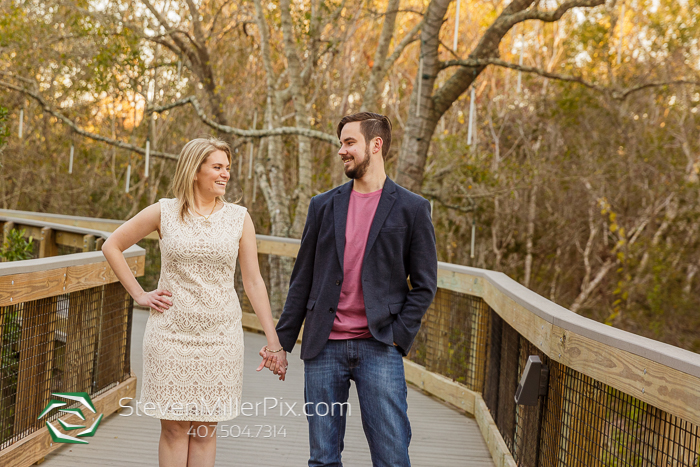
[[193, 342]]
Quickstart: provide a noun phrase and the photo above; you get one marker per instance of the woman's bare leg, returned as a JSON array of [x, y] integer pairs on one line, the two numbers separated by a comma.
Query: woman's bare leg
[[174, 443], [202, 452]]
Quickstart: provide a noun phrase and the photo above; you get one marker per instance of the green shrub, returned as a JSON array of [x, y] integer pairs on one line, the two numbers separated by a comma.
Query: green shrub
[[16, 248]]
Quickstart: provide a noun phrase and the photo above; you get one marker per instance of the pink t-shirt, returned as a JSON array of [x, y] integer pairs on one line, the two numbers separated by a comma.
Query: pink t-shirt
[[351, 317]]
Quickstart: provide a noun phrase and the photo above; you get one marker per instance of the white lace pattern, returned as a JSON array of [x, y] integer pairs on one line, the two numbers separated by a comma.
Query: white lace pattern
[[193, 352]]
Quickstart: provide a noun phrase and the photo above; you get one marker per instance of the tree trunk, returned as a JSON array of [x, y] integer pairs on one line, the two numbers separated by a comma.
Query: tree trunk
[[369, 100], [422, 118]]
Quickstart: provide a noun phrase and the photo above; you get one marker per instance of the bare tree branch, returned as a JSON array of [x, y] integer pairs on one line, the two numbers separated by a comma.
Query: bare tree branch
[[287, 130], [408, 39], [369, 100], [18, 77], [550, 16], [216, 17], [80, 131], [654, 84], [616, 94], [436, 197]]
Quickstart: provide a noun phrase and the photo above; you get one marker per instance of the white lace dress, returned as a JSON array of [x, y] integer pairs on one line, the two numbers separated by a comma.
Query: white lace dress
[[193, 352]]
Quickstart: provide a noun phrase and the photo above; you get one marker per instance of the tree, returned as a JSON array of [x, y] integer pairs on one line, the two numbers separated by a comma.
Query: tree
[[429, 103]]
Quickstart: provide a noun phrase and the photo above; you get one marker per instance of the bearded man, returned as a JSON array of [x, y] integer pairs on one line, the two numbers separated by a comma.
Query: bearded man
[[361, 242]]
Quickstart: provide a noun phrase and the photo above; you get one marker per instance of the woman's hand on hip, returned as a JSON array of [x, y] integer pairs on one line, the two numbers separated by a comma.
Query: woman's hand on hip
[[156, 299]]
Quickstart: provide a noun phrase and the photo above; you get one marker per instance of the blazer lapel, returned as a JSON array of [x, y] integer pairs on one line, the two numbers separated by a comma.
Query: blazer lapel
[[383, 209], [341, 201]]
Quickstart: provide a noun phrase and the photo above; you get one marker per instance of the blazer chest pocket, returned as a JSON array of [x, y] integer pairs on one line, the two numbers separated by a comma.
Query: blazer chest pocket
[[393, 230], [310, 304]]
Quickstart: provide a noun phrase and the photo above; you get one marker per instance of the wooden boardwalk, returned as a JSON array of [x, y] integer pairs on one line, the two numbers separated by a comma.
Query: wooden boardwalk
[[441, 435]]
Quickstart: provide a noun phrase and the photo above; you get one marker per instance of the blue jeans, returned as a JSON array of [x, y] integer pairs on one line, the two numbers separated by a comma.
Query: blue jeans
[[377, 370]]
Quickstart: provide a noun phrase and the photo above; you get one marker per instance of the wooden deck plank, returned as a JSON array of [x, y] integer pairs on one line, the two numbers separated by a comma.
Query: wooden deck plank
[[441, 435]]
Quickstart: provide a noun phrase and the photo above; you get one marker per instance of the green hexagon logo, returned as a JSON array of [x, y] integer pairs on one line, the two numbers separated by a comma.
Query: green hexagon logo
[[85, 400]]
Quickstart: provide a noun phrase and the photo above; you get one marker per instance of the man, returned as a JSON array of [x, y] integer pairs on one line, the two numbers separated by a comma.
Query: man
[[361, 242]]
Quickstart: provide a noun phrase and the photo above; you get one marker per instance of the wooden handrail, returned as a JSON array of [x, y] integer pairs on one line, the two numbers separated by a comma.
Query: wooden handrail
[[22, 281], [659, 374], [91, 223]]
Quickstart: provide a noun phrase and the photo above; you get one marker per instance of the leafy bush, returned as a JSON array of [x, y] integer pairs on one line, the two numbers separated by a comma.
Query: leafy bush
[[16, 248]]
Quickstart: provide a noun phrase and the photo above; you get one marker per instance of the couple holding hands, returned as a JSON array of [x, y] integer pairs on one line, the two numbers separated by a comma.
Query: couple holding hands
[[361, 242]]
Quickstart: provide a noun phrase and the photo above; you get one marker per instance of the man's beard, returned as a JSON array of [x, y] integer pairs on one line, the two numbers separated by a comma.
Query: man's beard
[[360, 170]]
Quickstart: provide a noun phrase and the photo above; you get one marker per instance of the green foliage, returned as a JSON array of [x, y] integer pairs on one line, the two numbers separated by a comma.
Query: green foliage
[[16, 248]]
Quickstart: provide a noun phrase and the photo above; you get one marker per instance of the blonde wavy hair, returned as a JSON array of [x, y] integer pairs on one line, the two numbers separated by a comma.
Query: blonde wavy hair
[[192, 157]]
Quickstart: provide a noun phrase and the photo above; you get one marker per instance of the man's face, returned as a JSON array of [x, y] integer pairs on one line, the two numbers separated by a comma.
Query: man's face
[[354, 152]]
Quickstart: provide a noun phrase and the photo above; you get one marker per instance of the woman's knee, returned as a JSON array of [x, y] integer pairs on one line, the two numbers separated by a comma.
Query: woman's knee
[[174, 430], [203, 432]]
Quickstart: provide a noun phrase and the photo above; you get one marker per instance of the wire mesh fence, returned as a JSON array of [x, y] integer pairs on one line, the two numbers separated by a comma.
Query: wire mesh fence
[[587, 423], [581, 422], [76, 342], [452, 340]]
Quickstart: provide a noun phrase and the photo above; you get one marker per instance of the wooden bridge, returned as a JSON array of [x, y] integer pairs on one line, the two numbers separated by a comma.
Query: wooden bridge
[[611, 397]]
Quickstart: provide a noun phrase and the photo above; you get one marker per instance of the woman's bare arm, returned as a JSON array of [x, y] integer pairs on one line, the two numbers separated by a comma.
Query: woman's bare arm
[[257, 294], [128, 234]]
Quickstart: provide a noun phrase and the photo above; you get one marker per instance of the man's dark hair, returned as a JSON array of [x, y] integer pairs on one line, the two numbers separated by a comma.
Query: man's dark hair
[[371, 126]]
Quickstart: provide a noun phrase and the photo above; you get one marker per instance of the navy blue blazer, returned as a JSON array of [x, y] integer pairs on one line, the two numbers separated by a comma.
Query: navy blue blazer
[[401, 243]]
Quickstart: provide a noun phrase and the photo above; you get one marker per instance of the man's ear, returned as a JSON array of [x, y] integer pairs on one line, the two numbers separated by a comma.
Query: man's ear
[[377, 144]]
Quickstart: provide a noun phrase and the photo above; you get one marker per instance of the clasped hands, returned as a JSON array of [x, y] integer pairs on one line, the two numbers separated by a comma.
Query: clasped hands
[[275, 361]]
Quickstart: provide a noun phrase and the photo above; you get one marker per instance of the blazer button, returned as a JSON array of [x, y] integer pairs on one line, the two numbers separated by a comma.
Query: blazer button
[[331, 310], [337, 282]]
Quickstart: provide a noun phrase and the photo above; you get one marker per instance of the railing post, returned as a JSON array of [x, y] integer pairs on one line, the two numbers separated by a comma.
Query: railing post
[[47, 245], [88, 242], [98, 244]]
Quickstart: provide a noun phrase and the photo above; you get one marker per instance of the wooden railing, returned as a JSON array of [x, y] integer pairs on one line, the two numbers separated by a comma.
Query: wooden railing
[[65, 326], [614, 398]]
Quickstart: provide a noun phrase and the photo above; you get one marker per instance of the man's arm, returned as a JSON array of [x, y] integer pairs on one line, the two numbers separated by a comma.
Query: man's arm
[[294, 312], [423, 274]]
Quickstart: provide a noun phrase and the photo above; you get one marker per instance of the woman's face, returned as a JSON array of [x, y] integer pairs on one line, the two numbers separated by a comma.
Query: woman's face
[[213, 175]]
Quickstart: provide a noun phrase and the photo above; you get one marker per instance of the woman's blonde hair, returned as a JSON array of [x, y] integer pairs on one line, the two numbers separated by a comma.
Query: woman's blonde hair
[[191, 159]]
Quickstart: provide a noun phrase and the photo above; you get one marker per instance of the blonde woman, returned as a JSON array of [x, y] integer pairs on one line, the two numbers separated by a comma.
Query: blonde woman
[[193, 342]]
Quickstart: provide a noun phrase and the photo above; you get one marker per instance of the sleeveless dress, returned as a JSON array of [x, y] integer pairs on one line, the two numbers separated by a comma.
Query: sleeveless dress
[[193, 352]]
